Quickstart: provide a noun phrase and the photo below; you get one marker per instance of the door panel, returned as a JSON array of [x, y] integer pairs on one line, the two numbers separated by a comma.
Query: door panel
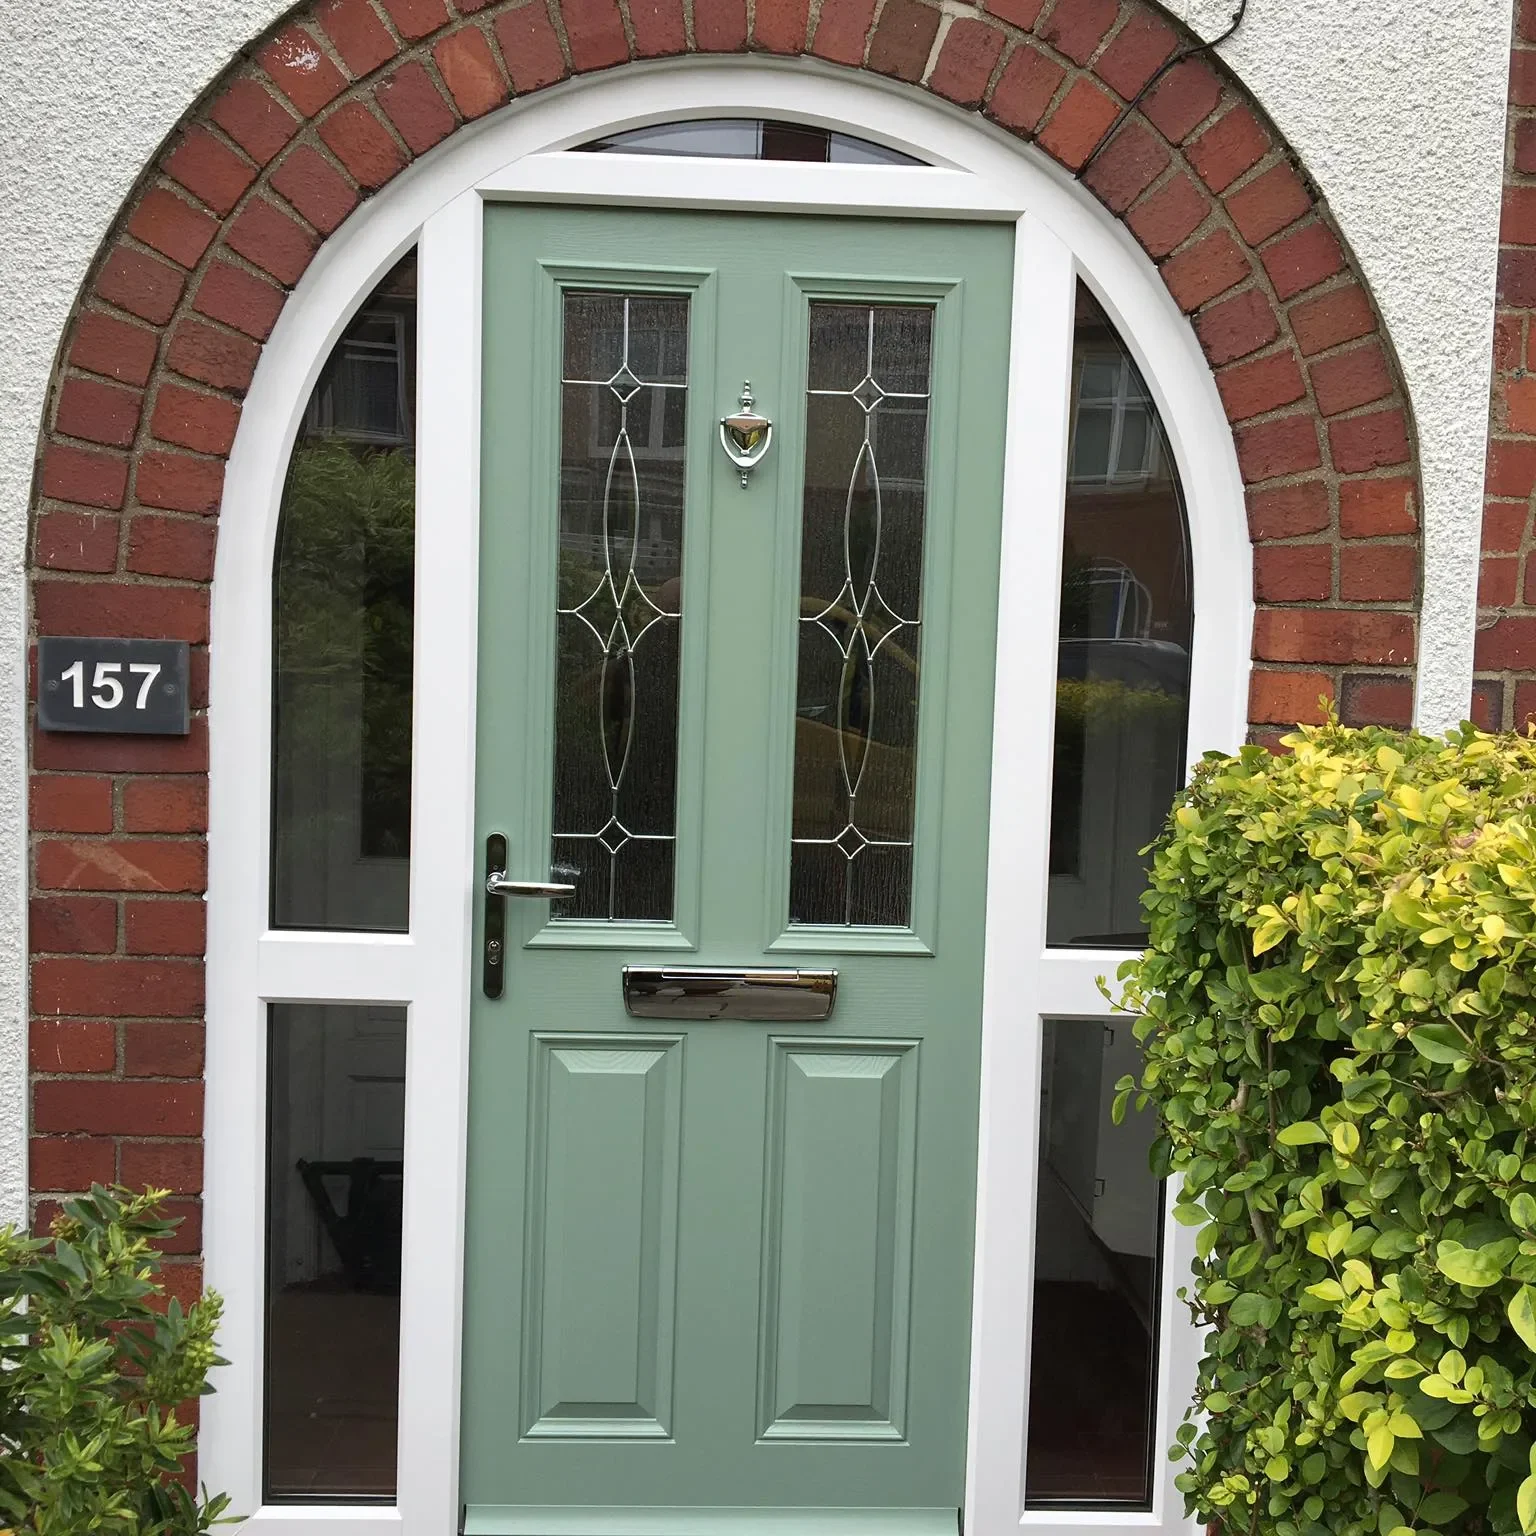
[[715, 1266]]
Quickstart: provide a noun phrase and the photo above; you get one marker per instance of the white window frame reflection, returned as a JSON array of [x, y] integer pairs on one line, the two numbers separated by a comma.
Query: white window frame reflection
[[1127, 398]]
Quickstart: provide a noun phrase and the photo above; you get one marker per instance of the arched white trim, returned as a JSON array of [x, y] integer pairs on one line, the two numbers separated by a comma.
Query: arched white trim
[[972, 170]]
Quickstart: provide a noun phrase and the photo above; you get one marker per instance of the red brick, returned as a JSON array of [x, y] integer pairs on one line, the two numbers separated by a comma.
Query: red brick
[[114, 348], [1077, 29], [1236, 327], [171, 546], [301, 70], [72, 1045], [357, 34], [210, 170], [1517, 275], [1285, 446], [1525, 705], [117, 988], [1182, 100], [1288, 698], [1508, 340], [1081, 119], [1504, 525], [1022, 13], [71, 925], [204, 423], [1293, 573], [1511, 468], [99, 412], [70, 1164], [164, 927], [1024, 90], [529, 47], [1378, 573], [70, 804], [1371, 508], [176, 482], [362, 143], [1205, 270], [178, 804], [121, 864], [118, 1109], [75, 541], [142, 284], [162, 1049], [903, 39], [416, 19], [315, 188], [1349, 379], [1487, 711], [416, 107], [1525, 145], [1507, 645], [1302, 260], [212, 356], [780, 26], [1515, 401], [269, 239], [255, 119], [79, 475], [1331, 319], [966, 61], [1333, 635], [472, 75], [1517, 221], [1525, 20], [136, 611], [1127, 165], [173, 226], [595, 31], [1498, 582], [1138, 51], [69, 753], [184, 1281], [1370, 699], [188, 1236], [1234, 143], [1360, 443], [1288, 511], [1268, 203], [239, 299], [173, 1165], [1252, 389], [721, 26]]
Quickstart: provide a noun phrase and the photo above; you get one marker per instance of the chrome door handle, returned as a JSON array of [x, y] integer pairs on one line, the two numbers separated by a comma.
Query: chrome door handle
[[493, 954], [497, 884]]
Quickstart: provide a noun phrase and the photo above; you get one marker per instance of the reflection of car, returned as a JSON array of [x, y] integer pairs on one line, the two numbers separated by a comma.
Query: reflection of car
[[1158, 664]]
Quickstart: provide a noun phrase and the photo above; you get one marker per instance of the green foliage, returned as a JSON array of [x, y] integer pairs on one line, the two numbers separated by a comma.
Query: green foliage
[[1337, 1012], [91, 1371]]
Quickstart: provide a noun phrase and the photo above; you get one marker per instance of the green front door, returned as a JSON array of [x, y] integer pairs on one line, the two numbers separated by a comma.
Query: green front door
[[719, 1268]]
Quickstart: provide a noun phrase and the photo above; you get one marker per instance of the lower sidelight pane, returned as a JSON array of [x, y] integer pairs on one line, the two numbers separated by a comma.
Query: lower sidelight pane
[[335, 1147], [1093, 1380]]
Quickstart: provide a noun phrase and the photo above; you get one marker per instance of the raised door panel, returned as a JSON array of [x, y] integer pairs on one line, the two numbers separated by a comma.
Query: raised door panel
[[837, 1245], [601, 1246]]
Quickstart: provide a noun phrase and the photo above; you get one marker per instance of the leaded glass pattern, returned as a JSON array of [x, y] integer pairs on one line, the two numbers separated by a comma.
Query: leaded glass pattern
[[624, 396], [861, 574]]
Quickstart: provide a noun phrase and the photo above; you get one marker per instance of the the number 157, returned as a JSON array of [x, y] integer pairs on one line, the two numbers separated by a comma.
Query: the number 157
[[106, 687]]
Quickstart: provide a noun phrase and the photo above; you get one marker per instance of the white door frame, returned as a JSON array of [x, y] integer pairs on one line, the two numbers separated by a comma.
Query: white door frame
[[973, 170]]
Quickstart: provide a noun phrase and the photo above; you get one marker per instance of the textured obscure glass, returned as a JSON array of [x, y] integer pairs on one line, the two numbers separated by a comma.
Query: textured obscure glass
[[1098, 1231], [624, 399], [861, 572], [335, 1149], [746, 138], [1122, 681], [343, 599]]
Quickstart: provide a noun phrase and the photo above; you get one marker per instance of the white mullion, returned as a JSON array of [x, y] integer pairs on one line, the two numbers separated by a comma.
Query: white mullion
[[1067, 983]]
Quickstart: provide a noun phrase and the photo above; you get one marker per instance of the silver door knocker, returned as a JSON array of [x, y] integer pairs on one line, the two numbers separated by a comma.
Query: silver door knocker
[[745, 435]]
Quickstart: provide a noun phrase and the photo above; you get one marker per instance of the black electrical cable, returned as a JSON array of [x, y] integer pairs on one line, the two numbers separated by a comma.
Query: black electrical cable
[[1177, 59]]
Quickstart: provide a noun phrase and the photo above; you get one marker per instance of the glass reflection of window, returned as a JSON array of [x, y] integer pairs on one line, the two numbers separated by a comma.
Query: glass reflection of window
[[745, 138], [624, 400], [1127, 619], [363, 393]]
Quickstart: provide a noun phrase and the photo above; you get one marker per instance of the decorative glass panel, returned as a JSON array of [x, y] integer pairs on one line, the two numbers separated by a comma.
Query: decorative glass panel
[[861, 577], [1127, 617], [745, 138], [624, 408], [1098, 1238], [335, 1145], [343, 600]]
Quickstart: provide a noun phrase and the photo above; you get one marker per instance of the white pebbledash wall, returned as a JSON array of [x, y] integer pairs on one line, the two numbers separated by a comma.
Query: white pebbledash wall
[[1396, 108]]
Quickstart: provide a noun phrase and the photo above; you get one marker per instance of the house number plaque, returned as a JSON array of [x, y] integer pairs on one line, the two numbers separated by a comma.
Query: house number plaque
[[125, 687]]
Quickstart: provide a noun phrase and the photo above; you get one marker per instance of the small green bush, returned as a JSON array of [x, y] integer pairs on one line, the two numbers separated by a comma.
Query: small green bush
[[92, 1366], [1337, 1011]]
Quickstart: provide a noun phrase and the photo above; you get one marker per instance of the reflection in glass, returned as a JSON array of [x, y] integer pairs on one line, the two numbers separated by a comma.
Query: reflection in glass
[[745, 138], [343, 599], [335, 1144], [1093, 1373], [861, 570], [624, 405], [1127, 617]]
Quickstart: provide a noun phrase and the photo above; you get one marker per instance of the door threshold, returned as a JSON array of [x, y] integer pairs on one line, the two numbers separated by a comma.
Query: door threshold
[[702, 1520]]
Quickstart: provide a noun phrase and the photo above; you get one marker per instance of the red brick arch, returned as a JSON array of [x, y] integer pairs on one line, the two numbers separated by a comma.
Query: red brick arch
[[322, 112]]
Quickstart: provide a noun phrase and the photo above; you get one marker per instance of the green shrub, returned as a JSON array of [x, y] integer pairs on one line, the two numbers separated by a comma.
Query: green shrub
[[1337, 1011], [92, 1366]]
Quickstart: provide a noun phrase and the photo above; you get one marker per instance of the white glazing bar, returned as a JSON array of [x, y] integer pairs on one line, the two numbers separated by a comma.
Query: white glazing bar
[[335, 968], [322, 1520], [1068, 981]]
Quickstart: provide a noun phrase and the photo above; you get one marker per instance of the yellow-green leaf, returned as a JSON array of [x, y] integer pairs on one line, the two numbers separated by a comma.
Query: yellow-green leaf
[[1522, 1315]]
